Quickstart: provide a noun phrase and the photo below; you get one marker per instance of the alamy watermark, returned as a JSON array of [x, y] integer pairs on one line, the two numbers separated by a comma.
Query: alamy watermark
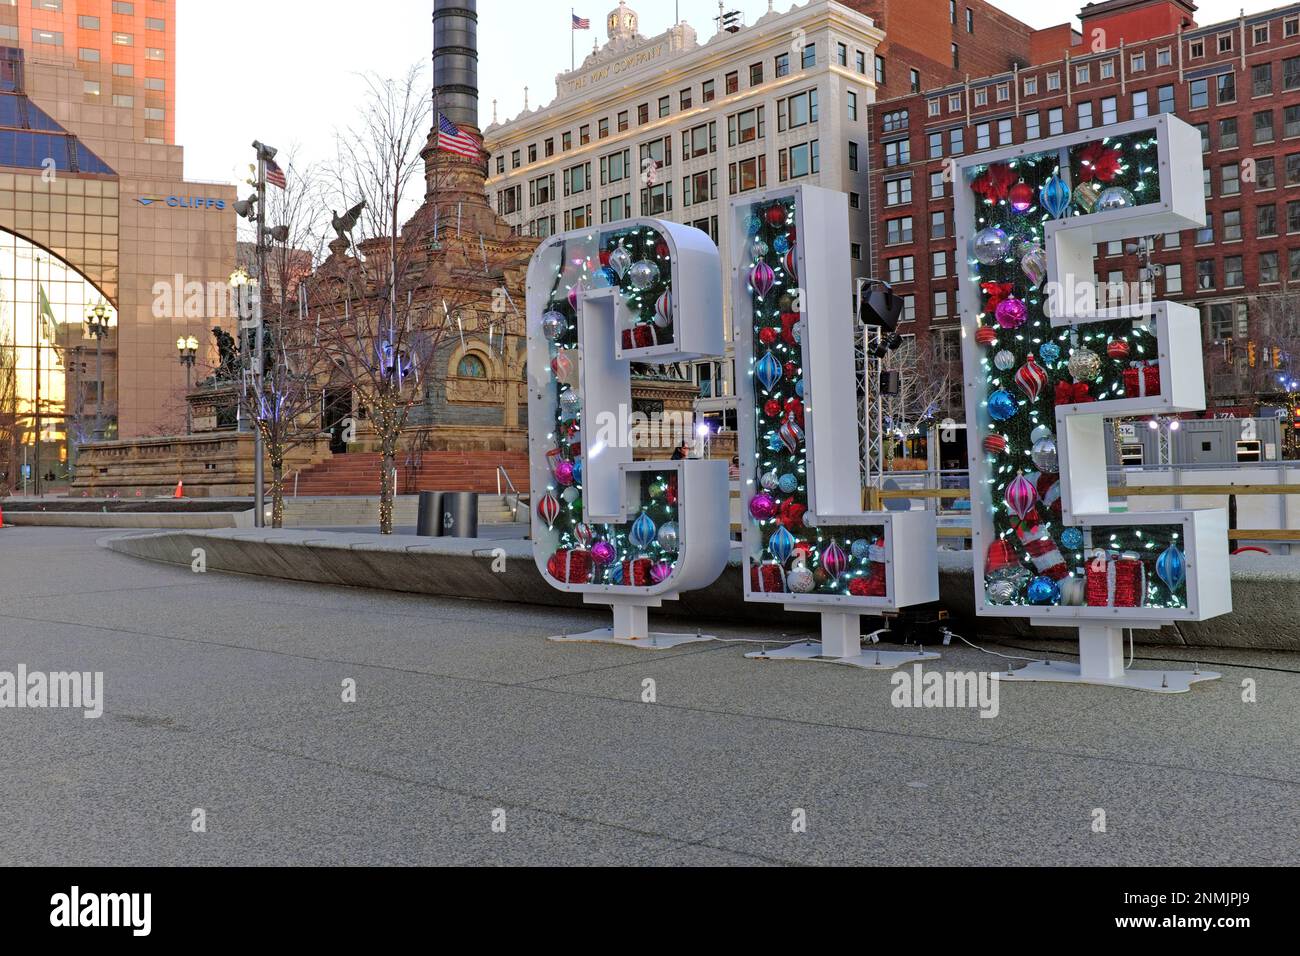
[[58, 690], [953, 690]]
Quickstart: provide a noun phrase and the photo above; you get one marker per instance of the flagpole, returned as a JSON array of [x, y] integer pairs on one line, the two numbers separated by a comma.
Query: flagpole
[[573, 42], [36, 329]]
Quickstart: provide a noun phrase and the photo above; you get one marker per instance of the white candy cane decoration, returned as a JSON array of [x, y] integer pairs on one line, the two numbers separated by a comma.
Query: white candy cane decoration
[[1037, 212], [809, 544], [622, 532]]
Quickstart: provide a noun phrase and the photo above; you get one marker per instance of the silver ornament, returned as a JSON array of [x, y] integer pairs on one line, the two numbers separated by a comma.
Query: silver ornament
[[1005, 361], [570, 404], [759, 250], [668, 537], [991, 245], [1034, 265], [801, 581], [1001, 593], [1045, 457], [620, 260], [554, 325], [643, 275], [1116, 197], [1085, 365], [771, 481], [1039, 433], [1074, 592]]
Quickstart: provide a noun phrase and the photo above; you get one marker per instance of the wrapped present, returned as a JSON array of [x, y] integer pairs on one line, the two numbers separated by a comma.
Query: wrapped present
[[641, 337], [570, 567], [636, 573], [1116, 581], [767, 578], [1142, 380], [1042, 550], [874, 585], [789, 322], [1073, 393]]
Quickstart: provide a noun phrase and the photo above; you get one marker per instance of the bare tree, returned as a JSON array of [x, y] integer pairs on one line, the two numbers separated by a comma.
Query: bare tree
[[10, 430], [925, 375]]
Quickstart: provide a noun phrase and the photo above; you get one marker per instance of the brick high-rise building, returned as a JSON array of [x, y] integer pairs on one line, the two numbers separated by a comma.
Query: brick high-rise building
[[1237, 81]]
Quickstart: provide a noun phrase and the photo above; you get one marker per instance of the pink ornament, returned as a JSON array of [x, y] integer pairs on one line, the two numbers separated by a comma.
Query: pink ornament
[[763, 507], [1012, 314], [602, 552], [564, 473], [661, 572], [1032, 379], [548, 509], [834, 561], [573, 297], [762, 278], [1021, 497]]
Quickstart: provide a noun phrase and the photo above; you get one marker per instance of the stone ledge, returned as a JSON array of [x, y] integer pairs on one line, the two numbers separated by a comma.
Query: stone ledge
[[1265, 588]]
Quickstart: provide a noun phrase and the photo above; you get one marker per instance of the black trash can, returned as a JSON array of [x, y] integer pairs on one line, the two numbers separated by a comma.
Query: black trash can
[[459, 514], [430, 524]]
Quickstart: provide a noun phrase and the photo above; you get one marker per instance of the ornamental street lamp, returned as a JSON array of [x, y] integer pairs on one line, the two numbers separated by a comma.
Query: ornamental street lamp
[[97, 324], [187, 349]]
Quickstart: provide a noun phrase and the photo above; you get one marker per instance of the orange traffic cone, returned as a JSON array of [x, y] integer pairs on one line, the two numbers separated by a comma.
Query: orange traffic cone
[[180, 490], [2, 517]]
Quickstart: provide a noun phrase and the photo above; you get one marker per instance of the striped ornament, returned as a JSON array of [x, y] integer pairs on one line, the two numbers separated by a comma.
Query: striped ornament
[[834, 561], [995, 445], [1021, 497], [548, 509], [986, 336], [1032, 379]]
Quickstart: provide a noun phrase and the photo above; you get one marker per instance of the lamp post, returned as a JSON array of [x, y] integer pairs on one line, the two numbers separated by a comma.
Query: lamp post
[[97, 322], [187, 348]]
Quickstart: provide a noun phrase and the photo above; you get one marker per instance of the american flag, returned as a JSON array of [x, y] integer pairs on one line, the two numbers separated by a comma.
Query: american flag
[[581, 23], [455, 140], [275, 175]]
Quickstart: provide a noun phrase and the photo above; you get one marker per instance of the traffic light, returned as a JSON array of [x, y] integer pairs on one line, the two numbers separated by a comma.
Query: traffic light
[[1251, 355]]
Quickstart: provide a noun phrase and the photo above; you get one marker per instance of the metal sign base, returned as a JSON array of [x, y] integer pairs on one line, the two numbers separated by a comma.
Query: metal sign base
[[1101, 664], [632, 629], [870, 659]]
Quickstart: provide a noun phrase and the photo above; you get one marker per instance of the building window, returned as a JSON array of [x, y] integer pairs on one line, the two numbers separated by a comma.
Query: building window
[[1032, 130], [687, 98], [939, 265], [898, 231], [124, 101], [1164, 57], [1266, 220], [957, 141], [902, 269], [1082, 74], [701, 187], [1109, 111], [122, 7], [983, 136], [50, 37], [700, 140], [123, 39], [756, 75], [1231, 179], [1055, 121], [1031, 86], [982, 97], [577, 179], [708, 91], [155, 53], [1261, 80], [1141, 105], [914, 78], [860, 62], [1228, 133], [745, 127], [1085, 115], [938, 225], [810, 56], [643, 114], [956, 57], [938, 188], [1174, 278], [1233, 275], [799, 161], [1004, 132], [1261, 34], [92, 88], [1226, 86], [853, 157], [898, 191], [1263, 127], [154, 23], [782, 66], [1225, 42], [566, 142], [853, 106], [732, 83], [1204, 274], [1165, 99], [1265, 174], [795, 111], [880, 70], [1268, 270], [1196, 49], [934, 107], [1137, 62], [542, 190], [935, 147], [1003, 92], [747, 174], [665, 106], [1291, 73], [970, 21], [88, 23], [842, 55], [88, 55], [615, 167], [1232, 225]]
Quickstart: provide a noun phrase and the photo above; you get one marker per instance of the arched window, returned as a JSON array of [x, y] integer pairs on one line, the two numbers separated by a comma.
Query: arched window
[[471, 366]]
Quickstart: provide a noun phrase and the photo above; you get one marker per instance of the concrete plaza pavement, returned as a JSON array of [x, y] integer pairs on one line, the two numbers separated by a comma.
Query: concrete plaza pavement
[[224, 693]]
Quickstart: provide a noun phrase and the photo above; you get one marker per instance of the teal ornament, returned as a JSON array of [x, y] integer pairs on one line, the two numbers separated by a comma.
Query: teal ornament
[[861, 549], [1072, 539], [782, 544], [769, 371], [754, 225], [774, 442], [789, 484], [1172, 568], [643, 532], [1055, 196], [1050, 353], [1002, 406]]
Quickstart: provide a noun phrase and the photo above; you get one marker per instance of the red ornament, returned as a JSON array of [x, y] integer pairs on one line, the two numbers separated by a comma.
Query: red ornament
[[772, 409], [1022, 197], [662, 249], [791, 371], [636, 574], [998, 292], [768, 336], [986, 336], [793, 235], [794, 409], [995, 445], [776, 216], [792, 515], [804, 550], [789, 320], [1118, 350], [670, 495], [1032, 379]]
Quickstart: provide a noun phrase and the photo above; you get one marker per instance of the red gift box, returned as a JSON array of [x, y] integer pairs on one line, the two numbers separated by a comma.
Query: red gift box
[[570, 567], [641, 337], [1142, 380], [874, 585], [636, 573], [789, 321], [1118, 581], [767, 579]]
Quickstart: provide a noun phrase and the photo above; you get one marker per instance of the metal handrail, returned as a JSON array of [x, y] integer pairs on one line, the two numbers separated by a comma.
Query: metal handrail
[[502, 473]]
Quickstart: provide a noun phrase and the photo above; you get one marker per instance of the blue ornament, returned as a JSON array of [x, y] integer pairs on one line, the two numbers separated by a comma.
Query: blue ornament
[[1172, 568], [769, 371], [798, 388], [616, 574], [1072, 539], [1002, 406], [755, 224], [774, 442], [1055, 197], [643, 532], [1044, 591], [861, 549], [782, 544], [1051, 353], [789, 484], [577, 471], [781, 244]]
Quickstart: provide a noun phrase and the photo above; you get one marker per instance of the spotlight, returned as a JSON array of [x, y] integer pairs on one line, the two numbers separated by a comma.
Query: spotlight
[[880, 306], [279, 233], [246, 208], [264, 152]]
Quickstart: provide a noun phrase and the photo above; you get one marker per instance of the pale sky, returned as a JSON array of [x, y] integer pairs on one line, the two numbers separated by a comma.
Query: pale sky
[[285, 71]]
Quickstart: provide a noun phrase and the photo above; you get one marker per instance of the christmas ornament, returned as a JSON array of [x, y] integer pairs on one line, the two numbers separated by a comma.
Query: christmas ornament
[[997, 293], [792, 515], [664, 310], [1074, 592], [781, 244], [1116, 197], [791, 371], [1021, 497], [794, 409], [1004, 361], [995, 445], [1085, 197], [791, 436], [995, 183], [991, 245], [769, 336], [762, 278], [1012, 314], [776, 216], [661, 572], [1002, 406], [548, 509], [570, 567], [1085, 365], [565, 367], [1101, 161], [1072, 539], [554, 325], [1171, 568], [754, 225], [669, 537], [603, 279], [602, 552], [861, 549], [1044, 591], [1045, 457], [759, 249], [1043, 552], [620, 260], [789, 484], [781, 544], [1034, 265], [1021, 198], [790, 261], [584, 535], [564, 473], [986, 336], [1039, 433], [762, 507], [770, 481], [643, 275], [769, 371], [616, 575], [577, 471], [1055, 196], [1050, 353], [834, 560], [1031, 379], [1001, 592], [643, 532], [1118, 350], [570, 405], [800, 580]]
